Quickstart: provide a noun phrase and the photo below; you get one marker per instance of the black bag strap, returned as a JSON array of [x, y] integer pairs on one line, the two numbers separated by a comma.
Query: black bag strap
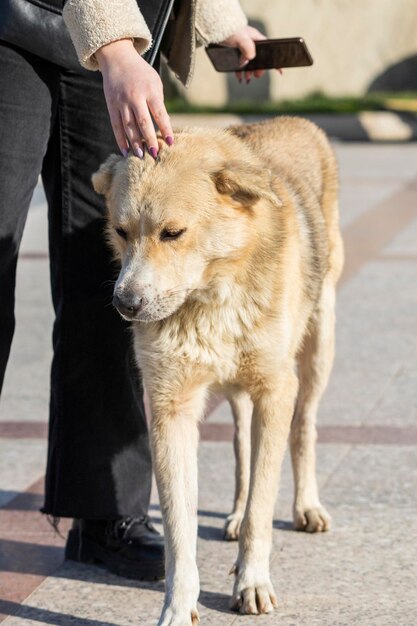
[[156, 15]]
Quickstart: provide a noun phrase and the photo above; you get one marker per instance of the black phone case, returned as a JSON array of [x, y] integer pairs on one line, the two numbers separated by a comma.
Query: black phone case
[[270, 54]]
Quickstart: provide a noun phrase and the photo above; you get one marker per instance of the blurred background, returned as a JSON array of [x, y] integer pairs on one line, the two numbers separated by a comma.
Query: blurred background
[[360, 48]]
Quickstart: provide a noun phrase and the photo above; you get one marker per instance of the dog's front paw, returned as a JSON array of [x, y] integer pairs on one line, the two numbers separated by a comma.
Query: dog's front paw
[[313, 519], [232, 526], [253, 595], [174, 617]]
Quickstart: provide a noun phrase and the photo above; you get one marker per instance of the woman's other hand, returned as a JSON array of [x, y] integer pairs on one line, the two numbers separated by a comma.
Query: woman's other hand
[[245, 40], [133, 92]]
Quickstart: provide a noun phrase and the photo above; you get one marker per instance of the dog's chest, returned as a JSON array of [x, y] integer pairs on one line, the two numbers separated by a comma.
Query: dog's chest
[[208, 340]]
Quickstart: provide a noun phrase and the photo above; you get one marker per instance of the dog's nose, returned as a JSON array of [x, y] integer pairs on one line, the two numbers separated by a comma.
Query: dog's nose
[[127, 304]]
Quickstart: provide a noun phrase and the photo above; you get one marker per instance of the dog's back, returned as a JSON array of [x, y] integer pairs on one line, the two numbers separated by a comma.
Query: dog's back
[[299, 153]]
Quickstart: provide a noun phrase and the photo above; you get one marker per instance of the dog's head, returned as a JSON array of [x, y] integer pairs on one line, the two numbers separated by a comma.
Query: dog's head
[[182, 225]]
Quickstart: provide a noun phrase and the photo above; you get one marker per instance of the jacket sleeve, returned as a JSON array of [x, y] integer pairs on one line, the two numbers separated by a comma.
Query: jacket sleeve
[[216, 20], [94, 23]]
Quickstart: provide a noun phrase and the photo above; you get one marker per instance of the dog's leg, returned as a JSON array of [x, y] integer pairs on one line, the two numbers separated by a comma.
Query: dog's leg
[[174, 430], [242, 409], [314, 365], [273, 408]]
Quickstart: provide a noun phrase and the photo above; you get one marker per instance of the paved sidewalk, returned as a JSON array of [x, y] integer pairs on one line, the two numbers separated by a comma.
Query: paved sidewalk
[[363, 571]]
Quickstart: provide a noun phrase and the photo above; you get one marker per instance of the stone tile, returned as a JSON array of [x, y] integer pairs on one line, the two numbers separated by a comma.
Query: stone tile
[[349, 576], [25, 408], [6, 495], [27, 372], [29, 502], [405, 243], [377, 162], [89, 596], [22, 461], [385, 485], [359, 196], [38, 198], [369, 434], [30, 549], [398, 404], [35, 235], [363, 570], [216, 477], [376, 334], [23, 430], [222, 414]]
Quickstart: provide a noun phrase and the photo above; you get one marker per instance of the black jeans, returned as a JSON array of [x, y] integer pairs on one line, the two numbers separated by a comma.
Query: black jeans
[[55, 122]]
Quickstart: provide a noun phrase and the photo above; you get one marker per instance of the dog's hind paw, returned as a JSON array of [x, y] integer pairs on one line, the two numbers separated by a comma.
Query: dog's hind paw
[[232, 526], [254, 600], [312, 520]]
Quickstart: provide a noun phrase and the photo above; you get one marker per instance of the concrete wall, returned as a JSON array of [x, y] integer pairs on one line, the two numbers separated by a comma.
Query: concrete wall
[[357, 46]]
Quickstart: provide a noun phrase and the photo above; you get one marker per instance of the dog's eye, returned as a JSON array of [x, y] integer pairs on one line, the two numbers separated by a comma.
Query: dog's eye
[[122, 233], [168, 234]]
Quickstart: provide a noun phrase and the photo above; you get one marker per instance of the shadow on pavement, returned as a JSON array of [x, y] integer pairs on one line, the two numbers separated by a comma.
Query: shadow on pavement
[[210, 600], [90, 573], [215, 601], [29, 558], [210, 533], [40, 560], [47, 617], [280, 524], [21, 501]]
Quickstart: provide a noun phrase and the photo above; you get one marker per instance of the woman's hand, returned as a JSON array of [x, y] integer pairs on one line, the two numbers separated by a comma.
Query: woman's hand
[[245, 40], [133, 91]]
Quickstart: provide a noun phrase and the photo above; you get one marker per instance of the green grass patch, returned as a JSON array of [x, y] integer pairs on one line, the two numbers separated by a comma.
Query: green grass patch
[[316, 103]]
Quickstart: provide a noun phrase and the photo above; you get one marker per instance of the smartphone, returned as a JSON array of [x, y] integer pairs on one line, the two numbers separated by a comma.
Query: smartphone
[[270, 54]]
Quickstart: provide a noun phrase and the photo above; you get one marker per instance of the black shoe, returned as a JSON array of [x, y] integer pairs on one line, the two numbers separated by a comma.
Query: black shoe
[[129, 546]]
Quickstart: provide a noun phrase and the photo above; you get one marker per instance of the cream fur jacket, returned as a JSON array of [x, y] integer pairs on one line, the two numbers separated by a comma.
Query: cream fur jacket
[[94, 23]]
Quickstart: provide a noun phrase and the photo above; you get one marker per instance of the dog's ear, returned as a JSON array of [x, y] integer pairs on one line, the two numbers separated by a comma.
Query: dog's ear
[[102, 179], [244, 183]]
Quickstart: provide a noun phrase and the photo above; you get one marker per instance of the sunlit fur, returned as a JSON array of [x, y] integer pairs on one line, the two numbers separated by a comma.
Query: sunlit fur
[[242, 302]]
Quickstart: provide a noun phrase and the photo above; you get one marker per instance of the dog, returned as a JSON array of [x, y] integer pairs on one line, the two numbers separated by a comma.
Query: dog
[[230, 252]]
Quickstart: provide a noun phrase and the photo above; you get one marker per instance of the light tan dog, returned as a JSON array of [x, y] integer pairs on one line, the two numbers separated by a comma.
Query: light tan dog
[[230, 252]]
